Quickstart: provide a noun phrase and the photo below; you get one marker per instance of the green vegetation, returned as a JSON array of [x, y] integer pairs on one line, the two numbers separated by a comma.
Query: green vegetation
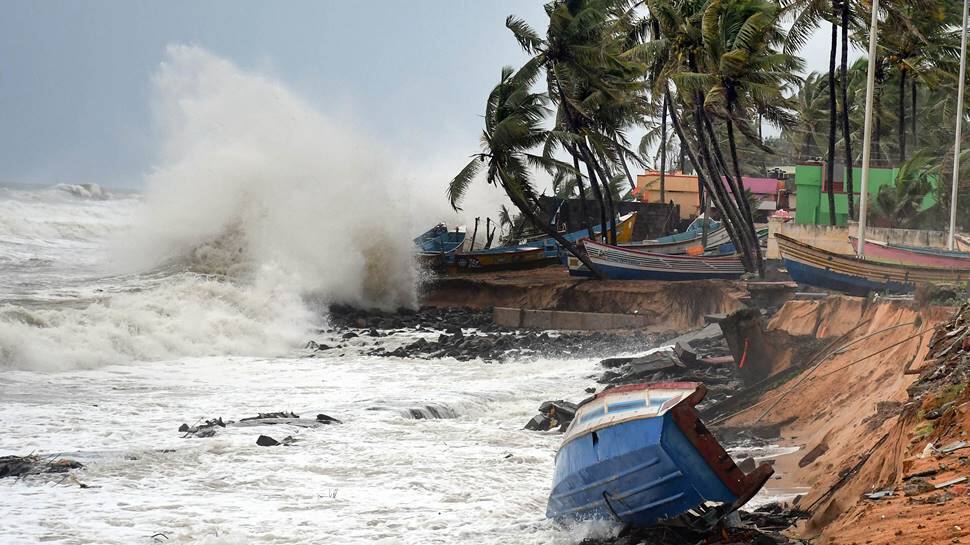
[[702, 79]]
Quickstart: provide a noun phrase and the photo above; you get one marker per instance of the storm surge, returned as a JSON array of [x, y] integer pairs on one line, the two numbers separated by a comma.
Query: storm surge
[[258, 211]]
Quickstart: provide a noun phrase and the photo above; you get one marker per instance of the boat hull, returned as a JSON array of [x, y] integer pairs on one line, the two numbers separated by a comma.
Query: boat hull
[[849, 274], [619, 263], [645, 470], [923, 257], [523, 258]]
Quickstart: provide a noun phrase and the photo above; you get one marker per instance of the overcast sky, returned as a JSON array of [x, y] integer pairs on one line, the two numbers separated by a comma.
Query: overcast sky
[[75, 77]]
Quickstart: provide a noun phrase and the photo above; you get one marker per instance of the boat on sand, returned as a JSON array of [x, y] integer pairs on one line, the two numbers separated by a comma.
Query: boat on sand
[[640, 455]]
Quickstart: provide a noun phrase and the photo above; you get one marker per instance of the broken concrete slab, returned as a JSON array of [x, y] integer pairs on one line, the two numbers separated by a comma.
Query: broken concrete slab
[[951, 482], [953, 447]]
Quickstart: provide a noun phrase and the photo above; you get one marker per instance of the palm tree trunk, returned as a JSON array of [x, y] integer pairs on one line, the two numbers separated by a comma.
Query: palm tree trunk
[[594, 185], [902, 115], [846, 127], [474, 234], [550, 230], [489, 233], [683, 155], [913, 113], [663, 152], [582, 194], [715, 186], [830, 164], [743, 199], [692, 154], [606, 176], [746, 221], [626, 169]]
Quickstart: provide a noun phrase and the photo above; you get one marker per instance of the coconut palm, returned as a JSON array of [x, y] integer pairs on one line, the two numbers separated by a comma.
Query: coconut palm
[[513, 116], [594, 84]]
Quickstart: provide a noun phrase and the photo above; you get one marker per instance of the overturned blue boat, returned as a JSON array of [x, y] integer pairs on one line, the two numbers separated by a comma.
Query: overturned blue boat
[[639, 454]]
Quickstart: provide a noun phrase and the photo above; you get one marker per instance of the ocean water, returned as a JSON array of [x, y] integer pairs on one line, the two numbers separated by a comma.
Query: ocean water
[[103, 368], [126, 314]]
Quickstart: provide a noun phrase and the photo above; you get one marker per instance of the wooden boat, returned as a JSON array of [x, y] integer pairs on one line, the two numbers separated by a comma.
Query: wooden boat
[[439, 240], [621, 263], [523, 256], [624, 232], [913, 255], [495, 259], [641, 455], [690, 239], [850, 274]]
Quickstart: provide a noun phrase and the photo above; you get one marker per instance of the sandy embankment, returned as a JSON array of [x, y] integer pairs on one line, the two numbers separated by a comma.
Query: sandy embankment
[[853, 417], [672, 306]]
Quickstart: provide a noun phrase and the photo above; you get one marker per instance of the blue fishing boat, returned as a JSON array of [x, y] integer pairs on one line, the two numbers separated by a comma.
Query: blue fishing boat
[[691, 239], [621, 263], [624, 232], [439, 240], [855, 276], [639, 454]]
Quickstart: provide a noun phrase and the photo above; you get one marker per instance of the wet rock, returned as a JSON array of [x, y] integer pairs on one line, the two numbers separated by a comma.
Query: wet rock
[[264, 416], [207, 429], [349, 335], [747, 465], [324, 419], [266, 441], [20, 466], [917, 486], [553, 414]]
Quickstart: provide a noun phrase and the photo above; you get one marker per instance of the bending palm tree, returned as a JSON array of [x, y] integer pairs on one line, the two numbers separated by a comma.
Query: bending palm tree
[[512, 128]]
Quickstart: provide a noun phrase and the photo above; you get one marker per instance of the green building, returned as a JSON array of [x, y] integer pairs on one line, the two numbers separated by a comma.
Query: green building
[[812, 202]]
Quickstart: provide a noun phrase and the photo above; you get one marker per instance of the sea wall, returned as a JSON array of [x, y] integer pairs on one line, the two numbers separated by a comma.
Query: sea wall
[[658, 306]]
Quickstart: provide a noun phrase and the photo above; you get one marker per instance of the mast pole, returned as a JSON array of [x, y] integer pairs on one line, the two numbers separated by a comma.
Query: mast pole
[[867, 136], [956, 140]]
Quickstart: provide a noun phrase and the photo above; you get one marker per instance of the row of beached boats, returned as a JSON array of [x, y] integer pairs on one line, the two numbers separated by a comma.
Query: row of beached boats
[[681, 256], [891, 268]]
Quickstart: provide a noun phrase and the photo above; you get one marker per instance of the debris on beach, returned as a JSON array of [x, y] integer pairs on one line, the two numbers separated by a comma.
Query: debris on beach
[[552, 414], [20, 466], [210, 427]]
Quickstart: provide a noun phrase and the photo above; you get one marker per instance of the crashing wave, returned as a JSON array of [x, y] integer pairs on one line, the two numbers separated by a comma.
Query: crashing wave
[[84, 191]]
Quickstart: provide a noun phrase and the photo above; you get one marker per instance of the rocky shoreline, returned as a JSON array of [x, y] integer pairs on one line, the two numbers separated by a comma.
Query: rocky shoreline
[[467, 334]]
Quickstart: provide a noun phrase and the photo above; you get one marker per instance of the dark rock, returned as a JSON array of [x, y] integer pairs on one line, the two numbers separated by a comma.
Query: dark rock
[[539, 422], [266, 441], [327, 419], [917, 486], [349, 335], [263, 416], [184, 428], [747, 465]]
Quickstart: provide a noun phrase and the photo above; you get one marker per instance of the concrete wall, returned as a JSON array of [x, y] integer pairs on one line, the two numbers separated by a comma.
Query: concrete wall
[[836, 239], [558, 319], [813, 203]]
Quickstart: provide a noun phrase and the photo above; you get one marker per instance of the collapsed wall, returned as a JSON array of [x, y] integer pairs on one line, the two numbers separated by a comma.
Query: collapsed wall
[[846, 403], [667, 306]]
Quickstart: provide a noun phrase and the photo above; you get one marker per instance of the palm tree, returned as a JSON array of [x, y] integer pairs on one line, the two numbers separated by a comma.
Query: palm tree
[[745, 79], [595, 86], [900, 205], [809, 105], [680, 57], [513, 116]]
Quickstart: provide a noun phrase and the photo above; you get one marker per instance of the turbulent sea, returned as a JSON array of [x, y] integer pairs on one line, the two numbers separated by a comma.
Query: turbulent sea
[[123, 315], [103, 368]]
